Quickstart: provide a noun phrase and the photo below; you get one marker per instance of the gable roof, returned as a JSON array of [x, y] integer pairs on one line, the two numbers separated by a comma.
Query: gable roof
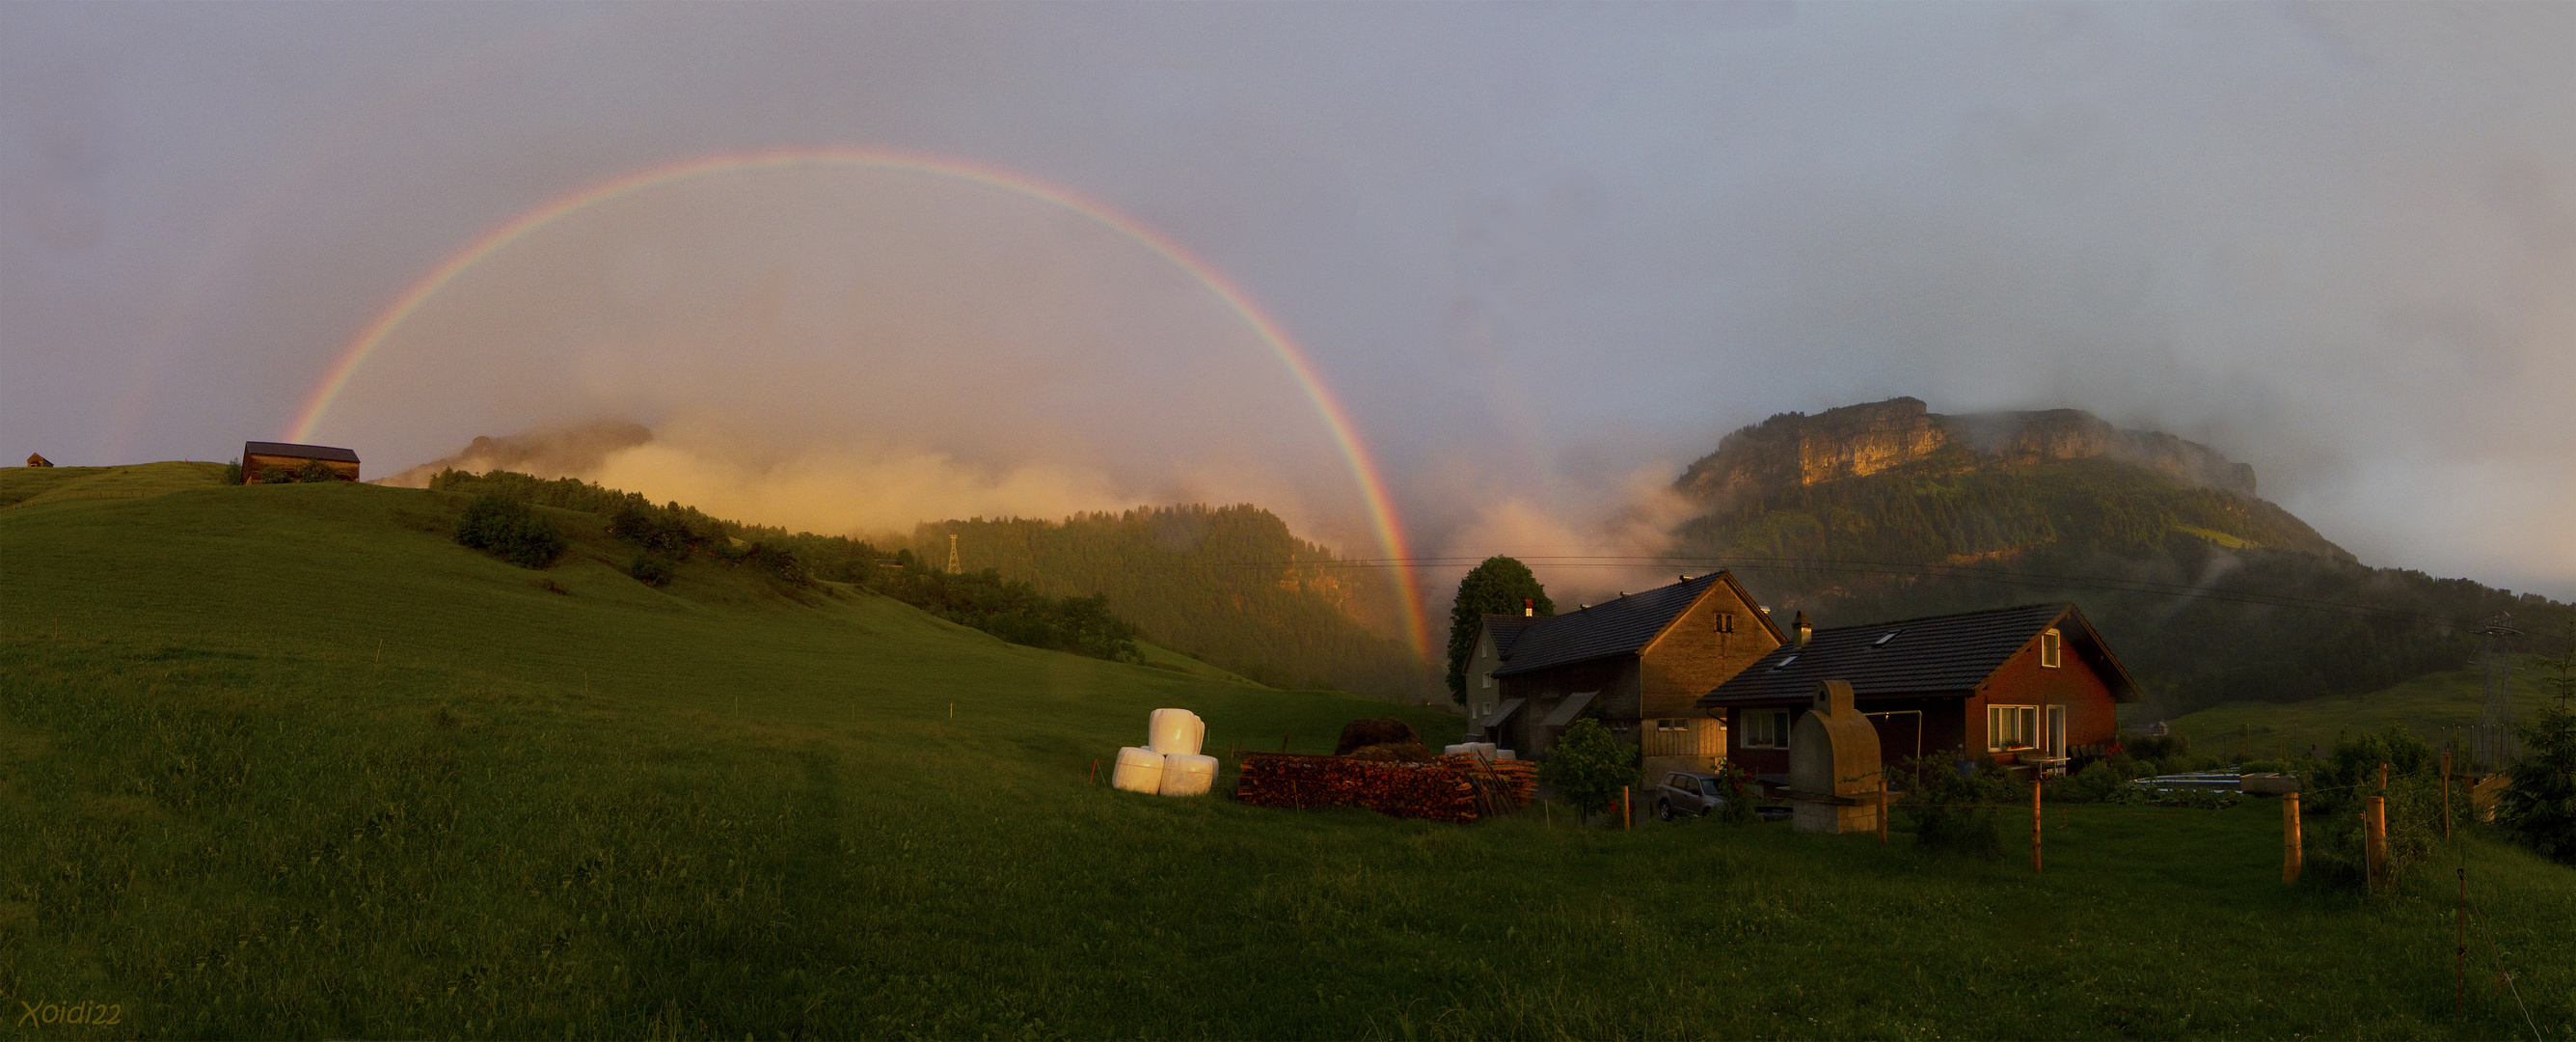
[[1507, 628], [1937, 655], [1621, 627], [284, 448]]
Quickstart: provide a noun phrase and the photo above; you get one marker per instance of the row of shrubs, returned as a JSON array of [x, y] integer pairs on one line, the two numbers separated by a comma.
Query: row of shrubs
[[312, 470], [502, 521]]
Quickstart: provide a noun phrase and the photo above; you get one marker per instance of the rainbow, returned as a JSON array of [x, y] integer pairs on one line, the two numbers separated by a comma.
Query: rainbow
[[1364, 470]]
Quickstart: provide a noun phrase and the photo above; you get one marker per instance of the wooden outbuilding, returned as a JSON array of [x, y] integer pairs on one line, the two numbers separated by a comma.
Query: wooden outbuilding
[[1637, 663], [259, 456], [2033, 686]]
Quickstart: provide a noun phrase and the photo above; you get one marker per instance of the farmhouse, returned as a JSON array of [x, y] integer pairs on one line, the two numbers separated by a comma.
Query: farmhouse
[[1636, 663], [2033, 686], [259, 456]]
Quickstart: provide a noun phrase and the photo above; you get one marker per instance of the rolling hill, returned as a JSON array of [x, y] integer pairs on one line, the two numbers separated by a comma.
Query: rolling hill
[[286, 761]]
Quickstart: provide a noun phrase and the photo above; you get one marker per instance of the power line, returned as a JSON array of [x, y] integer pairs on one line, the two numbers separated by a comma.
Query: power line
[[1887, 568]]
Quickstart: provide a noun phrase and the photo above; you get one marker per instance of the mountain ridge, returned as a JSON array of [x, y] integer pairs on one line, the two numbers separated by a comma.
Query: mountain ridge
[[1791, 448]]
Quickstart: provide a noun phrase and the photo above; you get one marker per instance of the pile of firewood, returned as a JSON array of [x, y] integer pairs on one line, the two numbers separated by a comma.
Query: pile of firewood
[[1405, 790], [1502, 786]]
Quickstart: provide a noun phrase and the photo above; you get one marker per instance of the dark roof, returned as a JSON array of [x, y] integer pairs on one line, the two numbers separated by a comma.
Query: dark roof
[[284, 448], [1621, 627], [1507, 628], [1939, 655]]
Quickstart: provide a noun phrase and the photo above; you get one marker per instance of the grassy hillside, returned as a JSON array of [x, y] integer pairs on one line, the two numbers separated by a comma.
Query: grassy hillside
[[285, 761], [2431, 706], [25, 486]]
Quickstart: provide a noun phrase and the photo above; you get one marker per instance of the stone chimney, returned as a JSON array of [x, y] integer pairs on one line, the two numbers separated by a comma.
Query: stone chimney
[[1805, 628]]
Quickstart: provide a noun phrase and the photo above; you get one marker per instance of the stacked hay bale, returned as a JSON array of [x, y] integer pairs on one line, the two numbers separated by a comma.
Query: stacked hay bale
[[1169, 762]]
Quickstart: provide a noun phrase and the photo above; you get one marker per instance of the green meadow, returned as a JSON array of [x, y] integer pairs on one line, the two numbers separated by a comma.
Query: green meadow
[[284, 761], [2433, 707]]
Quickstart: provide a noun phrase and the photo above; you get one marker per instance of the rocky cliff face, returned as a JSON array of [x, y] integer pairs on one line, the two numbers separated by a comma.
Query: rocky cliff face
[[1793, 449]]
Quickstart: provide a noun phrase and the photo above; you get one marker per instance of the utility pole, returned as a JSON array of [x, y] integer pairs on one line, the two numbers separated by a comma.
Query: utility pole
[[954, 568], [2491, 743]]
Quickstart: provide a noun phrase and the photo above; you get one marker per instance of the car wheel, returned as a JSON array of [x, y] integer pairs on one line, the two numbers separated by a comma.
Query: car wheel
[[1664, 810]]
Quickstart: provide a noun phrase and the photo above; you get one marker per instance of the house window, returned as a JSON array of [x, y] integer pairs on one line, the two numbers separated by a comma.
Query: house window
[[1489, 679], [2011, 727], [1766, 728], [1726, 622], [2048, 649]]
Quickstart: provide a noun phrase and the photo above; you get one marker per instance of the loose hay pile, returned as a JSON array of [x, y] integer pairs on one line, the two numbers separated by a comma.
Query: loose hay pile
[[1455, 788]]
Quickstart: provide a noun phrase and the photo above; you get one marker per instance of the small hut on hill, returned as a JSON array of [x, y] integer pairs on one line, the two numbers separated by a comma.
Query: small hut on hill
[[258, 457]]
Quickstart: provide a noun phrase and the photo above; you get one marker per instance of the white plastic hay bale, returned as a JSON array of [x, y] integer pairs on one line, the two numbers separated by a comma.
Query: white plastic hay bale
[[1174, 732], [1188, 775], [1460, 749], [1506, 754], [1138, 770], [1486, 750]]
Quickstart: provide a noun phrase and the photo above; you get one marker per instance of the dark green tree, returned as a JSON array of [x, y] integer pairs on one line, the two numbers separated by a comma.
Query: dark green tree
[[2539, 808], [510, 530], [1589, 766], [1496, 587]]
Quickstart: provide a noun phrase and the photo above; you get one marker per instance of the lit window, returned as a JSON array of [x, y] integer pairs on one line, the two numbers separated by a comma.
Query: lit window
[[2011, 727], [2048, 649], [1766, 728]]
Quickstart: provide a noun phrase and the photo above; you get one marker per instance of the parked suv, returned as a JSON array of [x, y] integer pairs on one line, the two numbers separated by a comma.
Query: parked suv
[[1687, 792]]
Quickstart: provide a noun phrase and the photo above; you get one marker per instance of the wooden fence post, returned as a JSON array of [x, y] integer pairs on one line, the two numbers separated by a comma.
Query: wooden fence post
[[1627, 810], [1882, 809], [2460, 975], [2293, 849], [2446, 795], [2375, 832], [2034, 825]]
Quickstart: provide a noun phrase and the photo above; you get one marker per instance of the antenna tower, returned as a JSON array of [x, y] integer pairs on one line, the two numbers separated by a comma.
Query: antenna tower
[[2491, 742], [954, 568]]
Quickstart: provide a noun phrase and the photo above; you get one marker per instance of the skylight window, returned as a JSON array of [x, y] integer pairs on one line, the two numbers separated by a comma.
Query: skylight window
[[1884, 638], [1784, 663]]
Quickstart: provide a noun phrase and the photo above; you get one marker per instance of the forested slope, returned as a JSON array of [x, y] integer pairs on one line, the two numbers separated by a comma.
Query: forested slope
[[2209, 595], [1231, 585]]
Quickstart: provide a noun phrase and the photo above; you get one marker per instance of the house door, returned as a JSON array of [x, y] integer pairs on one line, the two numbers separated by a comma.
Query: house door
[[2056, 736]]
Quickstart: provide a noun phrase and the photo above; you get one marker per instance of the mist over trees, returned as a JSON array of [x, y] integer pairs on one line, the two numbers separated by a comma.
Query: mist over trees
[[1230, 585]]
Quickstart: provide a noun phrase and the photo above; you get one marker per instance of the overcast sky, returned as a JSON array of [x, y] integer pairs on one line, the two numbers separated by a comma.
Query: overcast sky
[[1546, 254]]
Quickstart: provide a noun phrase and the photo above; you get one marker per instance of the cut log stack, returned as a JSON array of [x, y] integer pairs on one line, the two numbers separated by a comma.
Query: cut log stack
[[1502, 786], [1435, 791]]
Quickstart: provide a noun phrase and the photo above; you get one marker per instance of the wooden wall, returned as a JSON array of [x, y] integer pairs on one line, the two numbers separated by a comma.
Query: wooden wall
[[253, 464]]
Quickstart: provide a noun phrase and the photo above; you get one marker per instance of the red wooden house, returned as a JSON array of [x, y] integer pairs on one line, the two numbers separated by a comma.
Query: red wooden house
[[2033, 686]]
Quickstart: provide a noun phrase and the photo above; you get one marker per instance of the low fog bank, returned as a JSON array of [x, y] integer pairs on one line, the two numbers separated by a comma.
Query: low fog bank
[[849, 489]]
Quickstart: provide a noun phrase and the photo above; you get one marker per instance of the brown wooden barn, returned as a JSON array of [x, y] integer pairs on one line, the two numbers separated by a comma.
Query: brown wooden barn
[[258, 456], [2033, 686], [1637, 662]]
